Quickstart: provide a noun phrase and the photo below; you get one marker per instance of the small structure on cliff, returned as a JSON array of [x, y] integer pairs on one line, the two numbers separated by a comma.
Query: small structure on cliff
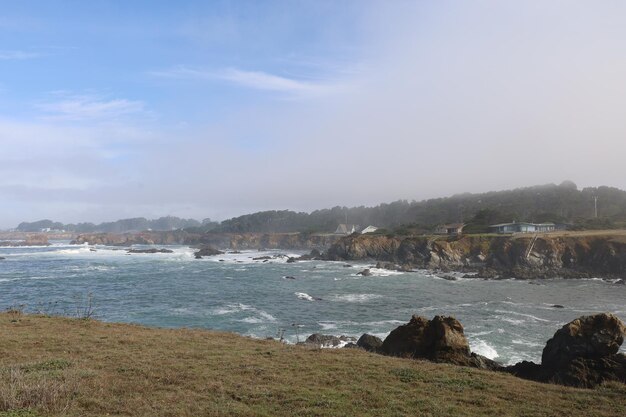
[[452, 229], [346, 229], [522, 227], [369, 229]]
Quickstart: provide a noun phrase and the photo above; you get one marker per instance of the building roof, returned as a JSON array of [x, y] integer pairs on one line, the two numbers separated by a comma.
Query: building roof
[[453, 225], [346, 228], [526, 223]]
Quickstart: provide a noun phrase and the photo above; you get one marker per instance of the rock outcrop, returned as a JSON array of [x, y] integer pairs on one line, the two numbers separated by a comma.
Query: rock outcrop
[[233, 241], [29, 240], [583, 353], [440, 340]]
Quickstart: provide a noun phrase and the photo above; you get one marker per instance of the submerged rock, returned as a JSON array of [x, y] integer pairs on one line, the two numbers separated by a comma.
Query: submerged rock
[[448, 277]]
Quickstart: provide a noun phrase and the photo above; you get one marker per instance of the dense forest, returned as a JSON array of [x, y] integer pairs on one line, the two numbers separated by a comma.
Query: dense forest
[[563, 203]]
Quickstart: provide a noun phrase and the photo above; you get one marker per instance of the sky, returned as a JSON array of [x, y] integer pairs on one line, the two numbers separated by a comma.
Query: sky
[[115, 109]]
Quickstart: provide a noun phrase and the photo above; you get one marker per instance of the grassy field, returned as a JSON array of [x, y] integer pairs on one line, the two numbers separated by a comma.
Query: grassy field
[[71, 367]]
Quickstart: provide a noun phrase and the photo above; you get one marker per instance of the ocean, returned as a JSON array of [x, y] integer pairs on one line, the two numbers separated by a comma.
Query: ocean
[[506, 320]]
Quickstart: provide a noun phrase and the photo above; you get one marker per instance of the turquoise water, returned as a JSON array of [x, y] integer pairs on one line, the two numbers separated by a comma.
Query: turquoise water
[[507, 320]]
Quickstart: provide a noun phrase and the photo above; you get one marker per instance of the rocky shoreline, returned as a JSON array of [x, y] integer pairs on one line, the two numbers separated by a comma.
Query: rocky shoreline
[[476, 256], [222, 241], [492, 257], [583, 353]]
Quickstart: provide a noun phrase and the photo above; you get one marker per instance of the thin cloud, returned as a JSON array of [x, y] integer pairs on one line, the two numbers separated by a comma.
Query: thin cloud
[[256, 80], [17, 55], [86, 107]]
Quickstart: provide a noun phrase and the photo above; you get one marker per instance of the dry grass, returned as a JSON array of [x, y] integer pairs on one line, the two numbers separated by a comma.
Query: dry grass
[[125, 370], [36, 388]]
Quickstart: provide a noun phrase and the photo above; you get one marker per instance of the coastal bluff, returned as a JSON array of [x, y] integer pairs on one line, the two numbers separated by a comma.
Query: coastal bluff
[[567, 255]]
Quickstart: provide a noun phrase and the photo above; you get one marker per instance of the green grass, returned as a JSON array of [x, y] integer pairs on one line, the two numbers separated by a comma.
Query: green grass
[[68, 367]]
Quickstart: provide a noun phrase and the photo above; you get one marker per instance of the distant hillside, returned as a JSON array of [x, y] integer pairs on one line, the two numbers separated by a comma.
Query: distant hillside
[[563, 203], [556, 203], [120, 226]]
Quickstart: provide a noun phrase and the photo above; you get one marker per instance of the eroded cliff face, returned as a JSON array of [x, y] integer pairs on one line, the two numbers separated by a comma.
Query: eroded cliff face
[[219, 240], [503, 256]]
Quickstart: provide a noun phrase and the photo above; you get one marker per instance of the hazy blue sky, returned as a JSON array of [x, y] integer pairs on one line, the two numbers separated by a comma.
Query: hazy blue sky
[[113, 109]]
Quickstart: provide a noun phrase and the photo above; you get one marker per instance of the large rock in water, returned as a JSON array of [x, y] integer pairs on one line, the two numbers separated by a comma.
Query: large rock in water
[[207, 250], [440, 339], [326, 341], [583, 353]]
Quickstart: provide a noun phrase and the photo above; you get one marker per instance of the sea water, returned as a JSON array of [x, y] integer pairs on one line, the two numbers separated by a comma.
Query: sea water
[[506, 320]]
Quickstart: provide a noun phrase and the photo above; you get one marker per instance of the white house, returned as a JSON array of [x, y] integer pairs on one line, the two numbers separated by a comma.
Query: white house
[[369, 229]]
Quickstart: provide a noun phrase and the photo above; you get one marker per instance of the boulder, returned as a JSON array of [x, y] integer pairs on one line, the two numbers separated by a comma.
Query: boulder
[[366, 272], [583, 353], [369, 342], [587, 337], [440, 339]]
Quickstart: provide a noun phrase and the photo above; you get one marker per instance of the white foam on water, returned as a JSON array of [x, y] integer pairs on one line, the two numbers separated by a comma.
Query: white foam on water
[[527, 343], [483, 348], [530, 316], [304, 296], [516, 322], [355, 298], [484, 333], [328, 325], [384, 323], [378, 272], [231, 308], [257, 320]]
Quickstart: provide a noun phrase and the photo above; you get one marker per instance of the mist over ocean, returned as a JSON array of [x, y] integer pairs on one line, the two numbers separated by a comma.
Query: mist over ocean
[[506, 320]]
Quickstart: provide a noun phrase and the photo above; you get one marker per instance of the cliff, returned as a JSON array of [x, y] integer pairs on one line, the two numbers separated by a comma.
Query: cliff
[[235, 241], [521, 256]]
